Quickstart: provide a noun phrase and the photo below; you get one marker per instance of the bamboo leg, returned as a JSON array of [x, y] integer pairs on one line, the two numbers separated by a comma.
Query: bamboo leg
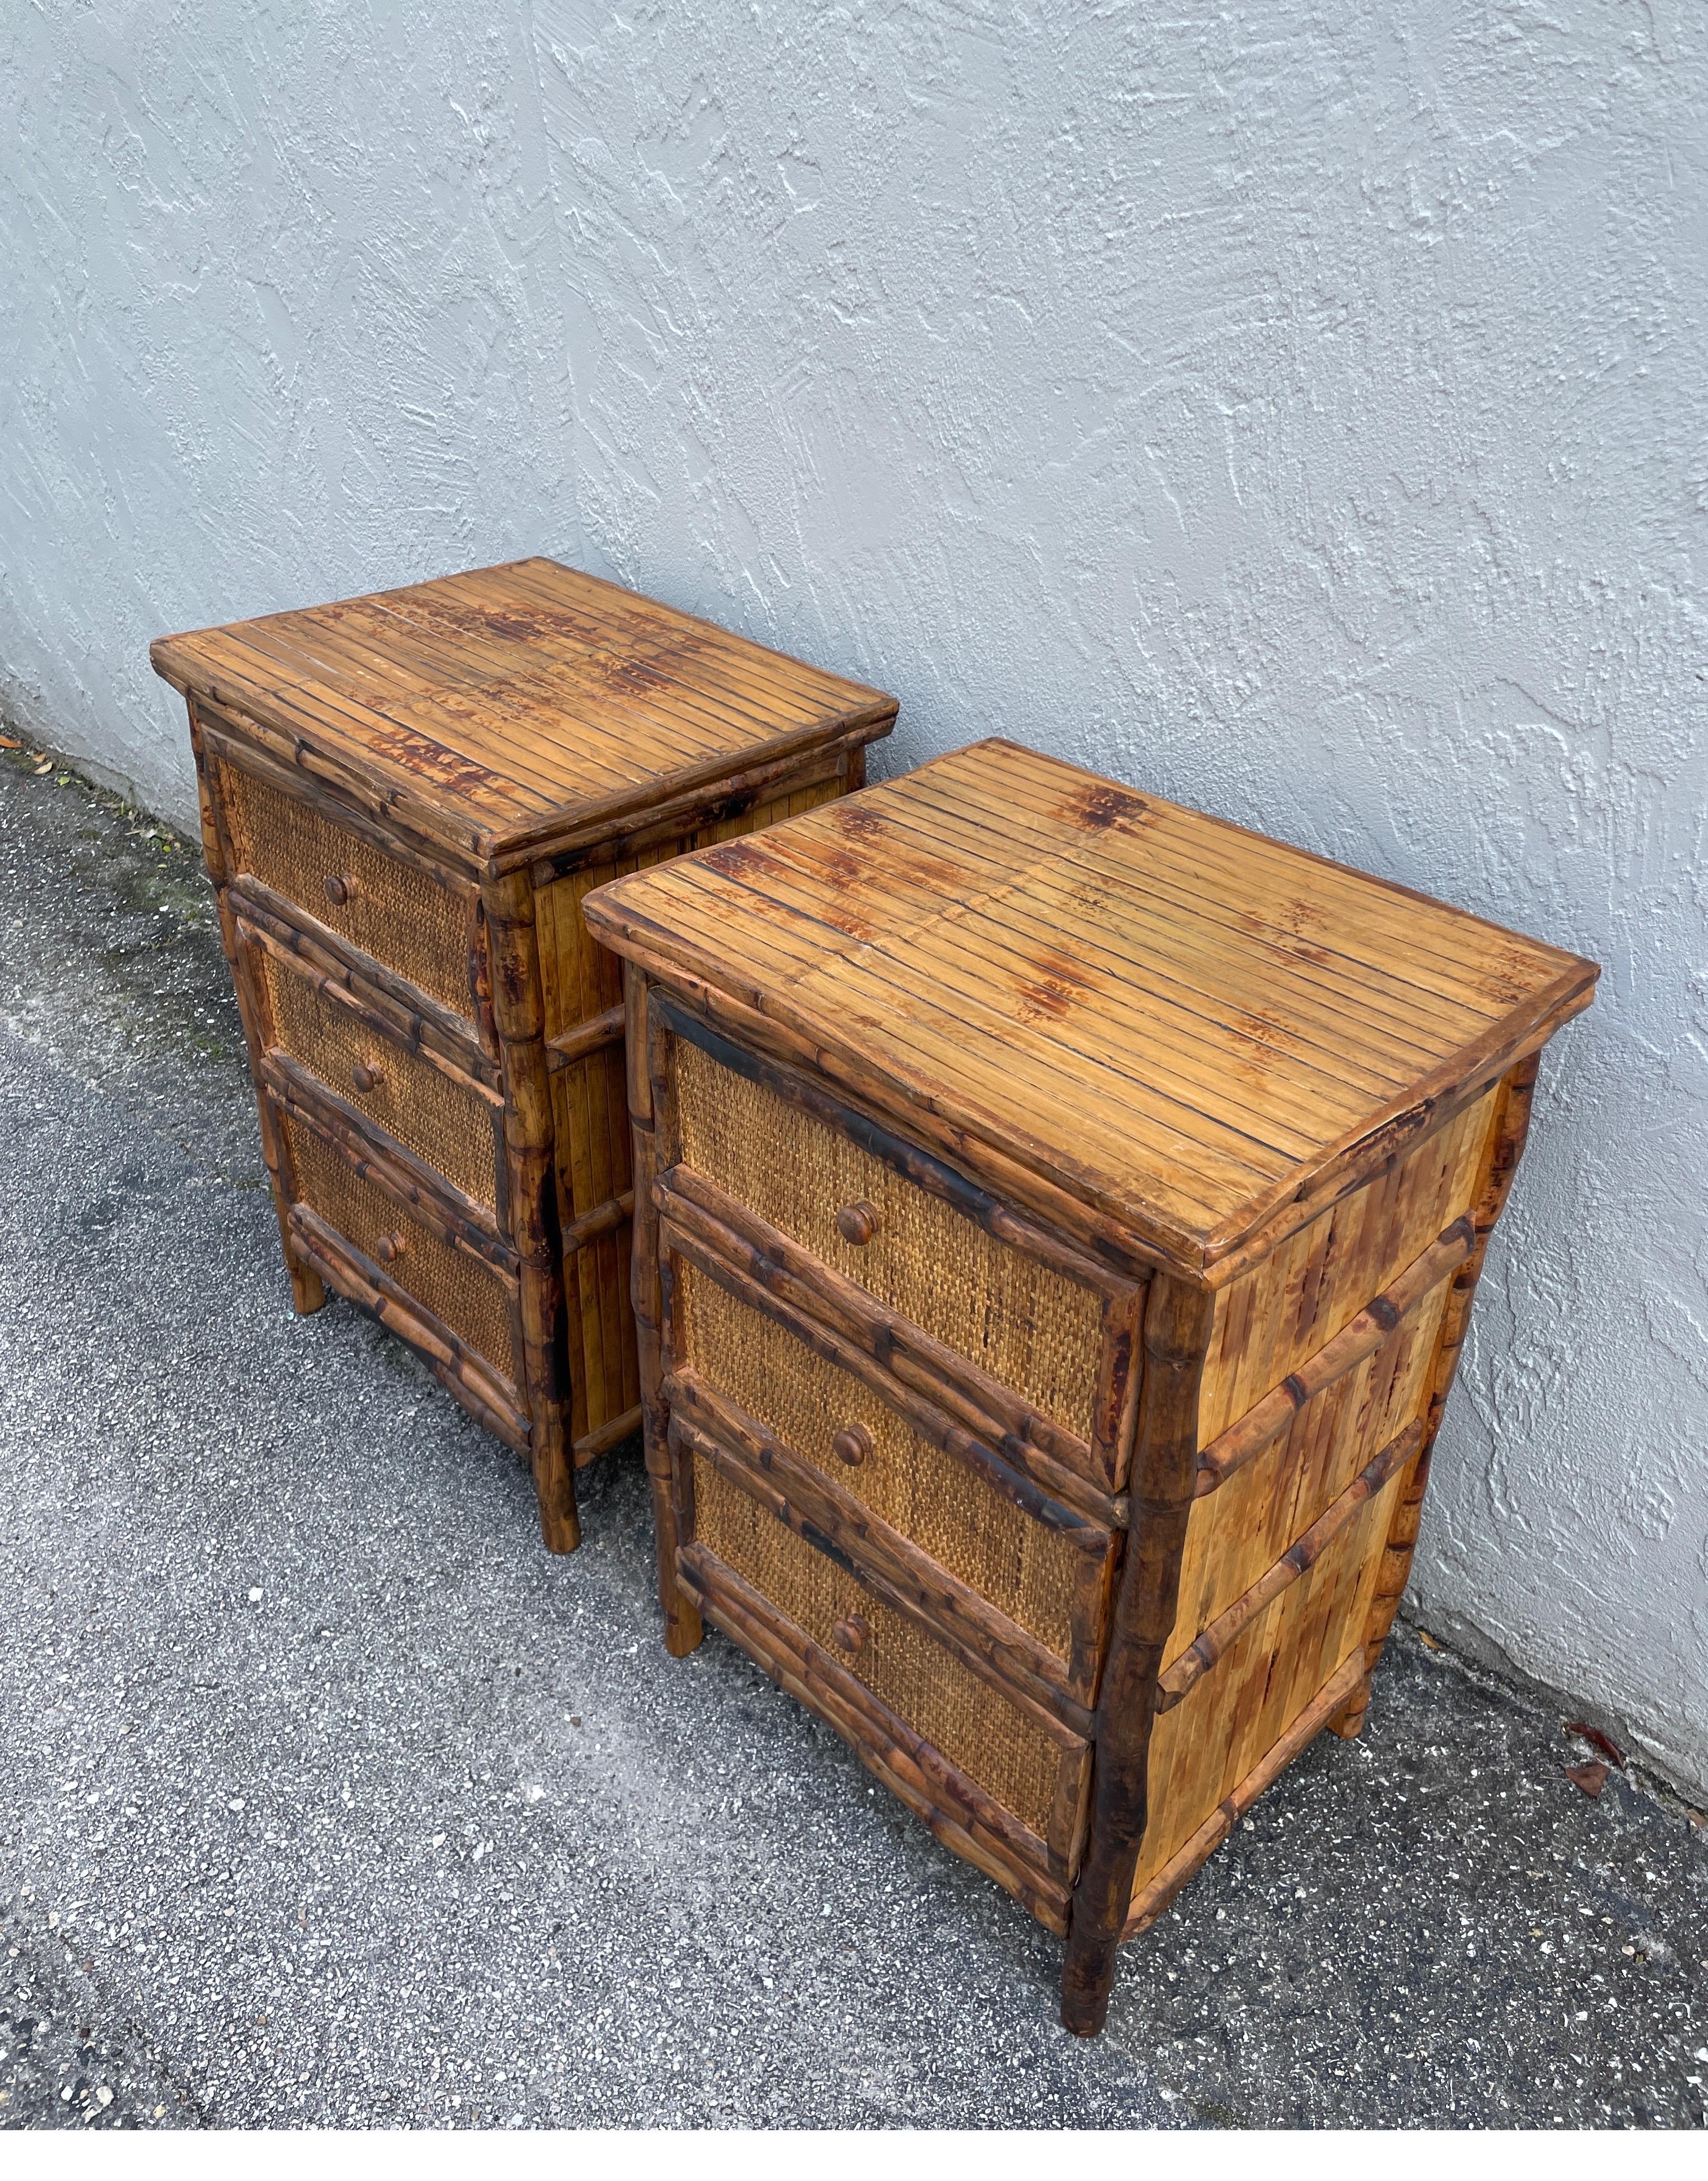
[[684, 1628], [1176, 1335], [307, 1289], [1510, 1127], [518, 1013]]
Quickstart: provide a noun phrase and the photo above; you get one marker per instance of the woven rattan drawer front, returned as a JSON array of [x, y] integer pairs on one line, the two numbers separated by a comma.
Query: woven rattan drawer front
[[1025, 1323], [997, 1747], [470, 1300], [419, 926], [446, 1123], [1033, 1574]]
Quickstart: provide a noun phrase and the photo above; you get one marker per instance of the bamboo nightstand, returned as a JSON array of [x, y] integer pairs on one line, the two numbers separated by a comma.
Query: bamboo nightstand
[[1058, 1215], [404, 799]]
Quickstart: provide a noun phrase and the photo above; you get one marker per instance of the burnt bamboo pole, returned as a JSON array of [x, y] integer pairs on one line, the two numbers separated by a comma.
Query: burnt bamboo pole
[[307, 1288], [649, 1095], [1176, 1337], [518, 1013], [591, 1444], [1510, 1126], [582, 1038]]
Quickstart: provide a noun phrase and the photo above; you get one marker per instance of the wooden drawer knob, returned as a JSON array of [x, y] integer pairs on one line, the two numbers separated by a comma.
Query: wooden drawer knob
[[857, 1222], [364, 1077], [337, 889], [851, 1634], [389, 1249], [851, 1444]]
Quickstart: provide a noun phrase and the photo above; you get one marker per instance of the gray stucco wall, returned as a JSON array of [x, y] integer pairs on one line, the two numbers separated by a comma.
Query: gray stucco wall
[[1296, 410]]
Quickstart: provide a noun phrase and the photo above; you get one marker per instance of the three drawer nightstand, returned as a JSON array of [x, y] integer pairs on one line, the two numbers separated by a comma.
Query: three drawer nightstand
[[1058, 1214], [404, 797]]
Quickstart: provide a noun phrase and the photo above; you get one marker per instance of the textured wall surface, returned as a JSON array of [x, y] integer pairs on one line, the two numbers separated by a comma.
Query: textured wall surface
[[282, 316], [1298, 410]]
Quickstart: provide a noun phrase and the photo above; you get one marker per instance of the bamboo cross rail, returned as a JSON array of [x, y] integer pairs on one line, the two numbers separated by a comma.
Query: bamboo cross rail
[[1356, 1340], [1194, 1662]]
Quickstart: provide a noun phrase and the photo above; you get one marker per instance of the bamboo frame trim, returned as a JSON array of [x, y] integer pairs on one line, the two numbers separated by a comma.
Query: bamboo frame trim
[[527, 1160], [290, 925], [997, 1218], [1215, 1641], [1027, 1672], [738, 793], [1053, 1458], [1149, 1902], [1177, 1337], [307, 1289], [1361, 1336], [368, 1013], [547, 839], [593, 1035]]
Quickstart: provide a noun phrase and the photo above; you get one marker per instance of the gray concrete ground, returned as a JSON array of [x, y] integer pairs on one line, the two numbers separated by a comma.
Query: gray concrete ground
[[326, 1796]]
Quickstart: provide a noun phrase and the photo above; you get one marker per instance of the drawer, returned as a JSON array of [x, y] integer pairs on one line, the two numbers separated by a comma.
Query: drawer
[[1025, 1323], [1043, 1567], [419, 926], [449, 1123], [470, 1300], [1033, 1778]]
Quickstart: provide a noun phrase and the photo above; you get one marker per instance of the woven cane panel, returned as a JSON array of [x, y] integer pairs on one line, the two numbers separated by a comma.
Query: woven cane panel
[[947, 1509], [1021, 1322], [1276, 1316], [1230, 1719], [396, 915], [469, 1301], [925, 1686], [451, 1128], [1237, 1532]]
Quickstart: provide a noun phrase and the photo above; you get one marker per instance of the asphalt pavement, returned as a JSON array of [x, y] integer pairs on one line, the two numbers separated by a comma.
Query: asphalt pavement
[[328, 1797]]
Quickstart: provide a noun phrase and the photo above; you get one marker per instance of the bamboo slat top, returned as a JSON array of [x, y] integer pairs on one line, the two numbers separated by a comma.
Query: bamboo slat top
[[1189, 1027], [526, 700]]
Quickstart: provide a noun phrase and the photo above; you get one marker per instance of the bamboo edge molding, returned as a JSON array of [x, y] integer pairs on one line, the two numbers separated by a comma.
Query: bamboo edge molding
[[1056, 1220], [404, 799]]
